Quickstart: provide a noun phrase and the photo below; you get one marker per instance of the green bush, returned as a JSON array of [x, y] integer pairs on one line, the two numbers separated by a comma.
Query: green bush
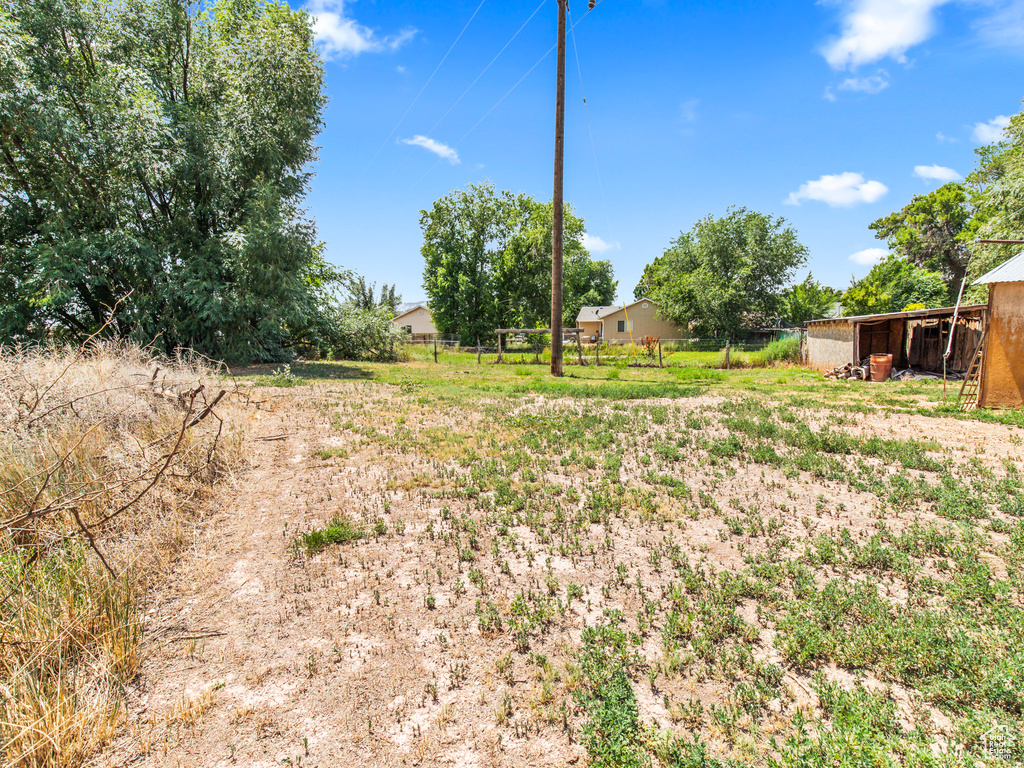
[[366, 334], [782, 351]]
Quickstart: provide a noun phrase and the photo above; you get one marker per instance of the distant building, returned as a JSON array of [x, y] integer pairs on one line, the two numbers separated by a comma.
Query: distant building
[[1002, 363], [416, 320], [635, 321]]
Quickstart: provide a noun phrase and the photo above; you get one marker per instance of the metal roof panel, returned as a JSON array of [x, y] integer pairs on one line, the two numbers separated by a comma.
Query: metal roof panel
[[1011, 271]]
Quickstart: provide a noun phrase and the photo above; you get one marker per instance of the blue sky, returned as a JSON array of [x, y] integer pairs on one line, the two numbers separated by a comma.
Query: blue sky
[[829, 114]]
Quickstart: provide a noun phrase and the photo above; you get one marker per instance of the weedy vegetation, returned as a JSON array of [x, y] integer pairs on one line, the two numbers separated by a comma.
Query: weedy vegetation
[[762, 568], [108, 454]]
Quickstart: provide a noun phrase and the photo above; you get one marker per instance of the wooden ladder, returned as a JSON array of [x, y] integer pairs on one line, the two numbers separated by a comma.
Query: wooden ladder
[[972, 383]]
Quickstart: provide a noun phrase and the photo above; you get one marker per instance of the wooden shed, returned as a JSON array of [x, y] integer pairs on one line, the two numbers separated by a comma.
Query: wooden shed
[[916, 339], [1002, 359]]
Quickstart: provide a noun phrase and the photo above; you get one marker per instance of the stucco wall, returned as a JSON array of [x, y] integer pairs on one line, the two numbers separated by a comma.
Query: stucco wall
[[419, 319], [590, 329], [645, 323], [1002, 373], [829, 345]]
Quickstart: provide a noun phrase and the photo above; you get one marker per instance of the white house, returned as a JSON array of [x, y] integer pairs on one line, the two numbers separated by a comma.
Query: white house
[[416, 320]]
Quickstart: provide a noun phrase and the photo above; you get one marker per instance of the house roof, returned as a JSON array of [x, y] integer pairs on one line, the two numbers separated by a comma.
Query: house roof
[[1011, 271], [592, 314], [406, 309], [917, 313]]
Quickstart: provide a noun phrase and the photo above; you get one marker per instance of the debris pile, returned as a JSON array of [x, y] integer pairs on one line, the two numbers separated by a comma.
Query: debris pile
[[850, 371]]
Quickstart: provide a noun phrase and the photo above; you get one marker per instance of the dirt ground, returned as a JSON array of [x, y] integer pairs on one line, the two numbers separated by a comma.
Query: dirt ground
[[259, 656]]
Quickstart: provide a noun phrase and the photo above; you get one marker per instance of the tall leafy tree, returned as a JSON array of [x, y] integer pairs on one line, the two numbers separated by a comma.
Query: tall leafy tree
[[809, 300], [726, 274], [934, 231], [999, 184], [588, 283], [488, 263], [895, 285], [154, 155], [363, 295]]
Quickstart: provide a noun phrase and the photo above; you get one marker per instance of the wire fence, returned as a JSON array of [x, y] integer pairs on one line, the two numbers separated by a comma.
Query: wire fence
[[536, 350]]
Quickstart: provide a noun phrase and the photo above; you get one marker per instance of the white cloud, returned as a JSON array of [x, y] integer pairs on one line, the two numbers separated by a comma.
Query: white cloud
[[842, 190], [688, 111], [441, 150], [986, 133], [1005, 27], [944, 139], [869, 256], [873, 84], [339, 36], [877, 29], [595, 244], [937, 173]]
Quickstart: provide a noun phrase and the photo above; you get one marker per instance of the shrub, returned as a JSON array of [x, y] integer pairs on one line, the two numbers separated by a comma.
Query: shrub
[[782, 351], [367, 334], [84, 435]]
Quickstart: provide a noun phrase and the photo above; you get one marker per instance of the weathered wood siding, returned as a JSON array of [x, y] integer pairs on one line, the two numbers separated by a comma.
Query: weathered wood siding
[[1002, 374], [829, 345]]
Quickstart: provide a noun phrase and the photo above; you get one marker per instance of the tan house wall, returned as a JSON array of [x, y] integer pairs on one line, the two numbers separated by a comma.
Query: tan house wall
[[645, 323], [1002, 372], [829, 345], [590, 330], [420, 319]]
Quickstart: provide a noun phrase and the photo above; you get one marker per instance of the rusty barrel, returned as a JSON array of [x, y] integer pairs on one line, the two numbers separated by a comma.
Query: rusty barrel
[[881, 367]]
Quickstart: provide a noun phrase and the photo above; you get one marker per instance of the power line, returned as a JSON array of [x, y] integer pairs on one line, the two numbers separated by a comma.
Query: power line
[[499, 101], [458, 100], [590, 129], [429, 79], [511, 39]]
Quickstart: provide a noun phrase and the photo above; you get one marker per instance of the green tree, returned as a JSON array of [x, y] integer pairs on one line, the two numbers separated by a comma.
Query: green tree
[[999, 184], [154, 155], [362, 295], [934, 231], [487, 263], [809, 300], [587, 283], [726, 274], [894, 285]]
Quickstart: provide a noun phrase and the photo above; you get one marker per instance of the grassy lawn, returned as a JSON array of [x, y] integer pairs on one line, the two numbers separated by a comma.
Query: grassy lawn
[[703, 567]]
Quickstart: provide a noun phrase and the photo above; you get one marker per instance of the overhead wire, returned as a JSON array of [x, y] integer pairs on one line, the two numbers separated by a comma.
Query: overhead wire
[[511, 40], [485, 69], [507, 94], [429, 79], [590, 129]]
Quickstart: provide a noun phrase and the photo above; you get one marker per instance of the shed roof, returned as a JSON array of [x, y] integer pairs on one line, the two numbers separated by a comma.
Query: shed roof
[[917, 313], [1011, 271]]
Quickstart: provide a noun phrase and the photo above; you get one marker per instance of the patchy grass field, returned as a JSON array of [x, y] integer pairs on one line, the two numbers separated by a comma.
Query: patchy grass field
[[476, 565]]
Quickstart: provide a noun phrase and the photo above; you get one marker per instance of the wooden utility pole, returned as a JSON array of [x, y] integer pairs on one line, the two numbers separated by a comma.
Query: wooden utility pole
[[556, 202]]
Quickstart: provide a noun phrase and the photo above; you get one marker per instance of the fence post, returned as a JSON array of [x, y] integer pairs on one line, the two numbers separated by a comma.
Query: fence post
[[727, 365], [660, 363], [478, 350], [598, 351], [435, 350]]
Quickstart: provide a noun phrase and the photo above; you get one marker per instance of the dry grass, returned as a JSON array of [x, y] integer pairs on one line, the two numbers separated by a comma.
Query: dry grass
[[104, 460]]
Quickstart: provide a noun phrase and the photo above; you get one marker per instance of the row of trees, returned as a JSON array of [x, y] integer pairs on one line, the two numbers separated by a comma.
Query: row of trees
[[488, 263], [932, 239], [733, 273]]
